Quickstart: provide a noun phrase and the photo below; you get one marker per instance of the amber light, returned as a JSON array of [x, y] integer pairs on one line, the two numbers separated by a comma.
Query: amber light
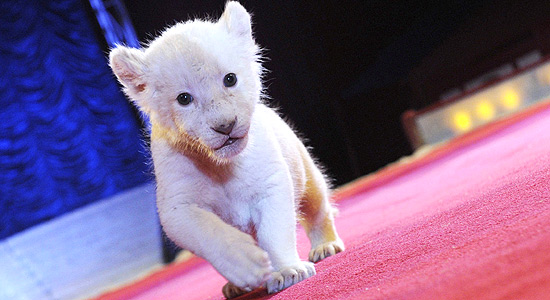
[[462, 121], [511, 99], [485, 110]]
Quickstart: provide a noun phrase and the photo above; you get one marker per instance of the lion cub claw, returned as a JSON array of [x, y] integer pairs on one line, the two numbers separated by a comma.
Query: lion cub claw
[[325, 250], [288, 276]]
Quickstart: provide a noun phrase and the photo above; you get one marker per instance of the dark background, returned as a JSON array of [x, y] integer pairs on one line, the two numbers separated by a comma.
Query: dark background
[[344, 71]]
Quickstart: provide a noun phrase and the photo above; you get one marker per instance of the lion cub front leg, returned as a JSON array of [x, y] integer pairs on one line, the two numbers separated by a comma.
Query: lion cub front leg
[[318, 215], [276, 234], [233, 253]]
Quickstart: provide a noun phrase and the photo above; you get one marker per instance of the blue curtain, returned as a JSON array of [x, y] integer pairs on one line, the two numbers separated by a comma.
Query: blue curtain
[[68, 136]]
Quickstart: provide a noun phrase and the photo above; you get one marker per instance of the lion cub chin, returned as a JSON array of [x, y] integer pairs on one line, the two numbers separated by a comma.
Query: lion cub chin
[[232, 177]]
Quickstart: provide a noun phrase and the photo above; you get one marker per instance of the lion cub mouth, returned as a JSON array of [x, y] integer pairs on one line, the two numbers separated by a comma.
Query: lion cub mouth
[[232, 146], [230, 141]]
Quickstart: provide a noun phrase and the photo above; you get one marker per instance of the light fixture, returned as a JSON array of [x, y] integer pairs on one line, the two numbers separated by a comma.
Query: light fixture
[[468, 111]]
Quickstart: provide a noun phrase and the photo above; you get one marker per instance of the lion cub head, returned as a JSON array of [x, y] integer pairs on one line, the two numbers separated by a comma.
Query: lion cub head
[[198, 82]]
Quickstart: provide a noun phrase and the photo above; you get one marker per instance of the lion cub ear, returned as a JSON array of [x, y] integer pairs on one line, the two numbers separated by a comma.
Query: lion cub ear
[[236, 20], [128, 64]]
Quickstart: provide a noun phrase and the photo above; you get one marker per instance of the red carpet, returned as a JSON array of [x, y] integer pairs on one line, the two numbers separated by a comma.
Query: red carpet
[[469, 221]]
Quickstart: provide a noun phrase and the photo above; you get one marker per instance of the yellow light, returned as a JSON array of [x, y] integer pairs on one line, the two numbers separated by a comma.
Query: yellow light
[[510, 99], [485, 110], [462, 121]]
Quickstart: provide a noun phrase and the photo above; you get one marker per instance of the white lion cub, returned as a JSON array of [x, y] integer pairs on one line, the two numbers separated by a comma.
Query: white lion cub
[[231, 174]]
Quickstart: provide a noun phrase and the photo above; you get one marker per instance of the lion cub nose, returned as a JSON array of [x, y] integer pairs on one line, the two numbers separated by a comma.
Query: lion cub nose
[[225, 128]]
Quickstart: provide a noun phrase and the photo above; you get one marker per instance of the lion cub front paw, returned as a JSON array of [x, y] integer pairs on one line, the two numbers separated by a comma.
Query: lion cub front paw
[[242, 263], [288, 276], [325, 250]]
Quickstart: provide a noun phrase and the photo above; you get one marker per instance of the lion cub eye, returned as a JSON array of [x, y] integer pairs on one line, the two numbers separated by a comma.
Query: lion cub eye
[[184, 98], [230, 79]]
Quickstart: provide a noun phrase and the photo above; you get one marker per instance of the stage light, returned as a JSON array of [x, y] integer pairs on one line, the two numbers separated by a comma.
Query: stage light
[[485, 110], [511, 99], [462, 121], [480, 106]]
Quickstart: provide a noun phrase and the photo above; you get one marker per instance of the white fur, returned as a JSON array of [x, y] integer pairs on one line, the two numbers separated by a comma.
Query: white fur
[[234, 205]]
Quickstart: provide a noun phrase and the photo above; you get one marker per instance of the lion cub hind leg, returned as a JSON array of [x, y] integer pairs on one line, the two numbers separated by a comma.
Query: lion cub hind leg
[[288, 276], [230, 291], [318, 215]]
